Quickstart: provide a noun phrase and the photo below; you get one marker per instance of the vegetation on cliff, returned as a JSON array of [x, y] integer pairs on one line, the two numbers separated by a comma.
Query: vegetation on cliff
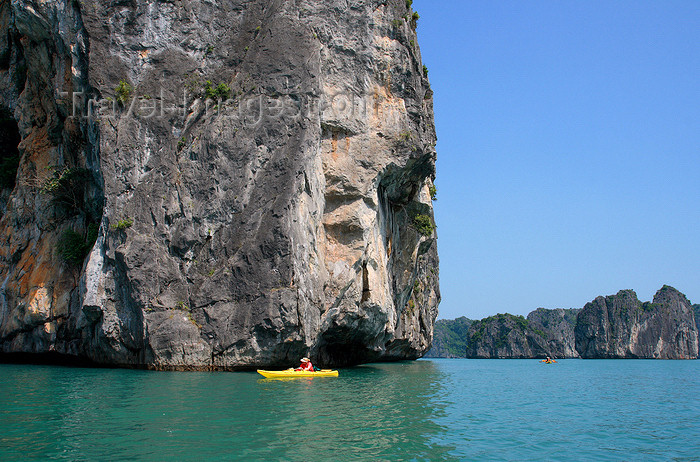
[[450, 338], [616, 326], [257, 163], [505, 336], [620, 326]]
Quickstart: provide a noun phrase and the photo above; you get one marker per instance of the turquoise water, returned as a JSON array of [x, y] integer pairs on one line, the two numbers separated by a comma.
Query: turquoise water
[[423, 410]]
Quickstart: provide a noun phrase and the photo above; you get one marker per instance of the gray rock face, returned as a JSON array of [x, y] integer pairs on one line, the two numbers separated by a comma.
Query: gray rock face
[[258, 171], [617, 326], [450, 338], [620, 326], [558, 326], [696, 310], [505, 336]]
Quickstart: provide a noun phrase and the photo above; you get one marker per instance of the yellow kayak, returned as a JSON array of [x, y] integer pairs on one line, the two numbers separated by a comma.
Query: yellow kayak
[[293, 373]]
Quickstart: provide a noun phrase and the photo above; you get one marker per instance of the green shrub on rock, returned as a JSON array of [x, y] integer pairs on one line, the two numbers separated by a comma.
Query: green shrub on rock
[[67, 188], [218, 92], [123, 92], [424, 224], [414, 19], [73, 247], [123, 225], [433, 192]]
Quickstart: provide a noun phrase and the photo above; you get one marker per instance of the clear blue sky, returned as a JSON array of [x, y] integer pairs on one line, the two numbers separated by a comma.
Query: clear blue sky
[[568, 150]]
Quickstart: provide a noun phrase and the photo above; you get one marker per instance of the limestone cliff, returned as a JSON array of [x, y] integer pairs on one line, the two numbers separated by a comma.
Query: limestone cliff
[[217, 184], [620, 326], [450, 338], [616, 326], [696, 310], [558, 326], [505, 336]]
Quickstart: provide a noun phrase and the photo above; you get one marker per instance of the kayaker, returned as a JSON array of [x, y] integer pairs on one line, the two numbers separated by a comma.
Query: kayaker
[[305, 365]]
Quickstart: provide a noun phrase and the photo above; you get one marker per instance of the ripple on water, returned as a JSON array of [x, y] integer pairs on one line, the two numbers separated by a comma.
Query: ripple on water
[[424, 410]]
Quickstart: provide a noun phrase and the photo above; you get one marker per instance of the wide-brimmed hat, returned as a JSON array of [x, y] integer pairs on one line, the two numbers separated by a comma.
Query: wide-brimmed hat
[[305, 360]]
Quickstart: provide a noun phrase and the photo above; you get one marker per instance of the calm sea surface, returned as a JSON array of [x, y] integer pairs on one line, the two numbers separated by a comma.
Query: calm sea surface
[[423, 410]]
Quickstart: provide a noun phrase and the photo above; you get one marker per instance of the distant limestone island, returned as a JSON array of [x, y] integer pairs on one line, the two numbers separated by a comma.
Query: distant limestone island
[[617, 326]]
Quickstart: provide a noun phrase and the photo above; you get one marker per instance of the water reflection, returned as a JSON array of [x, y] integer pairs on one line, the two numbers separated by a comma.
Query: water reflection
[[383, 411], [439, 410], [379, 411]]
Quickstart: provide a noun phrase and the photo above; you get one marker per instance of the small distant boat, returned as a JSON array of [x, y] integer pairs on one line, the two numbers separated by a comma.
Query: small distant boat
[[547, 361], [294, 373]]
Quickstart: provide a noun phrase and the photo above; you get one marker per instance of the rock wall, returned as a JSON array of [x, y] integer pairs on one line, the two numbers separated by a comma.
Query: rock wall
[[249, 182], [616, 326], [620, 326], [558, 326], [505, 336], [696, 310], [450, 338]]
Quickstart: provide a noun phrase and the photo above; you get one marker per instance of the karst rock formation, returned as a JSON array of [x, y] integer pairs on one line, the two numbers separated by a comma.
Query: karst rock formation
[[216, 185]]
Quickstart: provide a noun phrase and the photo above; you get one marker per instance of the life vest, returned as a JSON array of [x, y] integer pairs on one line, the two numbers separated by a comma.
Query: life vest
[[307, 367]]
